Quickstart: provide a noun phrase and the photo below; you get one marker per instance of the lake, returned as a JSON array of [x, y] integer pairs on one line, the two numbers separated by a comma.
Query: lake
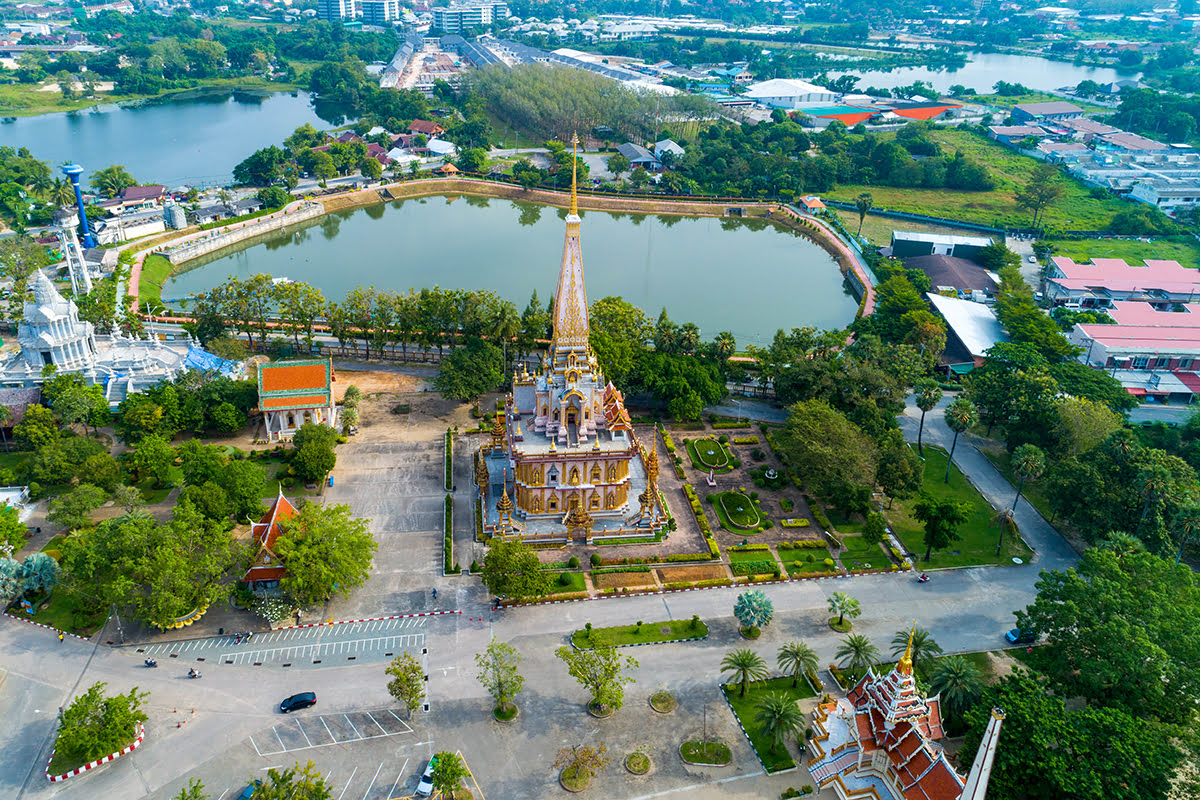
[[984, 69], [747, 277], [194, 138]]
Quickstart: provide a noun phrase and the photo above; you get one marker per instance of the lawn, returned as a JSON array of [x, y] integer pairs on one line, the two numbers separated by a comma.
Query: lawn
[[879, 229], [155, 271], [576, 582], [862, 555], [796, 561], [979, 532], [1184, 250], [1076, 210], [1008, 101], [708, 454], [738, 510], [64, 612], [743, 708], [622, 635]]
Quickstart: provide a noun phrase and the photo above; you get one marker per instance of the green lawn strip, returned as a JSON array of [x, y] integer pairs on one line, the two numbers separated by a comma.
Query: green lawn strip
[[741, 511], [979, 533], [1184, 250], [576, 584], [623, 635], [155, 271], [1033, 492], [860, 554], [744, 707], [710, 753], [879, 229], [1008, 101], [708, 453], [790, 557], [1076, 210], [66, 613]]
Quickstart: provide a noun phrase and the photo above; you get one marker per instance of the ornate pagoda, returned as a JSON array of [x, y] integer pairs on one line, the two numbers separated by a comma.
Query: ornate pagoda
[[564, 437]]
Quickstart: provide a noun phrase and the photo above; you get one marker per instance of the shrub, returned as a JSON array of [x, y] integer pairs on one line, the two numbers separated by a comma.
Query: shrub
[[723, 438], [474, 567], [735, 462], [564, 579], [746, 440], [288, 482], [829, 562], [595, 559], [754, 495], [752, 547], [799, 522], [758, 454], [819, 516], [768, 525], [695, 623], [810, 558], [786, 504], [573, 562]]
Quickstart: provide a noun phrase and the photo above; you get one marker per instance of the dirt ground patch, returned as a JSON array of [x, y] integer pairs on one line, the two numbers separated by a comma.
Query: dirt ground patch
[[370, 382], [705, 573], [621, 580]]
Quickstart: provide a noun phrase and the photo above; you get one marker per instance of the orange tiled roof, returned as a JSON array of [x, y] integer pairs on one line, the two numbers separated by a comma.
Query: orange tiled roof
[[303, 401], [285, 377], [267, 566]]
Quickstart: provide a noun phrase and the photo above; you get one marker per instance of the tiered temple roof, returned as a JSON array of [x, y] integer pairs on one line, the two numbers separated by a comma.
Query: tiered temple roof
[[267, 565]]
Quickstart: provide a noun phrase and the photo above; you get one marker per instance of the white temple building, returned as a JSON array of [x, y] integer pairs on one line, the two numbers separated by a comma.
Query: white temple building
[[51, 333]]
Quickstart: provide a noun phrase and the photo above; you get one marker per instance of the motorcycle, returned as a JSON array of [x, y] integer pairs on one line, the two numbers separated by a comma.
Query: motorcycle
[[923, 579], [150, 662], [193, 673]]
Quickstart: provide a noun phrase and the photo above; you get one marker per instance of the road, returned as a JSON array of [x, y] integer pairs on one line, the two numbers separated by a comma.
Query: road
[[225, 727]]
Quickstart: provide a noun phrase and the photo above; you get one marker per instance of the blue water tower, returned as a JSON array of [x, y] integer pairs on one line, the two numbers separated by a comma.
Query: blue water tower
[[73, 171]]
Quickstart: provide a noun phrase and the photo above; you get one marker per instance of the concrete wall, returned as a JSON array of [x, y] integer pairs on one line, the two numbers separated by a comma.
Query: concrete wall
[[219, 239]]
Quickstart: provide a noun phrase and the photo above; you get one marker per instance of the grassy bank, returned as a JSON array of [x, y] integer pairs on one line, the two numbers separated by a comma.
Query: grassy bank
[[25, 100], [155, 271], [1185, 250], [621, 635], [1076, 210]]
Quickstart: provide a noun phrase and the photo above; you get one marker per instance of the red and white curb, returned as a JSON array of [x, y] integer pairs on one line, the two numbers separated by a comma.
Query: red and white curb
[[364, 619], [47, 627], [110, 757]]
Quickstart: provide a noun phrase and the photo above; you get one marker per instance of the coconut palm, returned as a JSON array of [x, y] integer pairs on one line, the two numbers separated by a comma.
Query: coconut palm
[[778, 717], [960, 415], [61, 193], [844, 606], [745, 664], [959, 683], [924, 648], [857, 653], [1028, 464], [796, 659], [863, 204], [1123, 544]]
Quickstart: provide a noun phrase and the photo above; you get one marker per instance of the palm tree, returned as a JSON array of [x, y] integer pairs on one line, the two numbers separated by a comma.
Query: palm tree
[[1123, 544], [40, 183], [745, 664], [61, 193], [505, 324], [1028, 463], [863, 203], [857, 653], [959, 683], [960, 415], [929, 394], [924, 648], [778, 716], [844, 606], [796, 659], [1005, 520]]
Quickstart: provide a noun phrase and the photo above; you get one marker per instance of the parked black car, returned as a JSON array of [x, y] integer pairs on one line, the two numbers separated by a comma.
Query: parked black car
[[298, 701]]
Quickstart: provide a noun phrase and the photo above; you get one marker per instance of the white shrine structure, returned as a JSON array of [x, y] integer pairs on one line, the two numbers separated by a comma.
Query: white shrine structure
[[52, 334]]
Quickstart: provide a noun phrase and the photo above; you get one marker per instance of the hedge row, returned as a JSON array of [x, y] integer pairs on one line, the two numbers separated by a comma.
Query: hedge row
[[684, 557], [642, 568], [804, 544], [756, 546], [449, 567], [728, 424], [449, 487], [745, 440], [819, 516], [698, 584], [766, 567], [794, 523], [669, 443]]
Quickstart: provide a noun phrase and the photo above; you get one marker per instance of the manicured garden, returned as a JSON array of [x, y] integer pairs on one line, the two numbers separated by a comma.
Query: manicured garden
[[708, 454], [738, 512], [711, 753], [643, 633], [861, 554], [569, 582], [797, 561], [979, 533], [744, 709]]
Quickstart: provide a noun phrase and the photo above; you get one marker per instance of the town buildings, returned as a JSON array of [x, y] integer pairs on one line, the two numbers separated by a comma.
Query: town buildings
[[971, 330], [336, 10], [1105, 280], [292, 393], [458, 18], [379, 12], [564, 441], [1045, 112], [883, 740], [789, 94]]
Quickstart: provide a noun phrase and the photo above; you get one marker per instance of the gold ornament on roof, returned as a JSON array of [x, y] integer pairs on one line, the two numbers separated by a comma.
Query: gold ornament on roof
[[905, 665]]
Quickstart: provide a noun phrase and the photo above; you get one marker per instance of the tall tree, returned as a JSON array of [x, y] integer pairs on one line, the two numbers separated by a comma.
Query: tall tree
[[941, 518], [929, 394], [1042, 189], [511, 569], [857, 653], [924, 648], [844, 606], [960, 415], [778, 717], [602, 672], [407, 685], [1028, 464], [959, 684], [499, 675], [796, 659], [448, 773], [863, 204], [325, 551]]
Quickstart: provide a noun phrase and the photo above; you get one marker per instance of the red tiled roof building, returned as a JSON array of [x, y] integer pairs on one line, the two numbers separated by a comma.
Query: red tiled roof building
[[267, 568], [291, 393], [881, 741]]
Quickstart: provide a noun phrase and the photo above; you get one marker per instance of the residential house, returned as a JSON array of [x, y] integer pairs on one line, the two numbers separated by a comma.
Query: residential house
[[1045, 112], [1015, 134], [964, 278], [638, 156], [671, 150], [139, 198], [425, 128]]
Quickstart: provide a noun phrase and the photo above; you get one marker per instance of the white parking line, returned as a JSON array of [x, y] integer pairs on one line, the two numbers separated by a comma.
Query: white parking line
[[331, 736], [352, 774], [305, 735], [351, 724], [407, 729], [377, 725], [399, 775], [277, 736], [252, 744], [372, 784]]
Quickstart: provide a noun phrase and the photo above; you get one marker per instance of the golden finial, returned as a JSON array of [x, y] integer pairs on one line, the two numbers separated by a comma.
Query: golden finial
[[905, 666], [574, 210]]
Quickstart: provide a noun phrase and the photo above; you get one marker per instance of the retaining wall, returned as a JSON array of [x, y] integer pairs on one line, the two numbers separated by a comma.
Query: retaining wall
[[225, 237]]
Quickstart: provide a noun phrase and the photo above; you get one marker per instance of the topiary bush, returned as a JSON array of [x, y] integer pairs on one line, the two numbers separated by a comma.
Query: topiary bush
[[595, 559], [573, 562]]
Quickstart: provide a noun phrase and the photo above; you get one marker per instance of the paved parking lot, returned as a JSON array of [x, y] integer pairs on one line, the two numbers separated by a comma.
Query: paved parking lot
[[306, 731], [375, 640]]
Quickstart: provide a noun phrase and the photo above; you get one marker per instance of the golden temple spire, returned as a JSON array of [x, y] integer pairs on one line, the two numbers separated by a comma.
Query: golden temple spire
[[574, 210], [905, 665]]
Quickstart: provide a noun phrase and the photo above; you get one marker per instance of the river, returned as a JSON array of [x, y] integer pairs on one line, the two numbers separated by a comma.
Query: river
[[194, 138], [984, 69], [747, 277]]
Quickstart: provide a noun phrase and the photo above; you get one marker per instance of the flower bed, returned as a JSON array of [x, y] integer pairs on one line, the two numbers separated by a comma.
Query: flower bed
[[707, 572], [763, 567], [622, 580], [794, 523]]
